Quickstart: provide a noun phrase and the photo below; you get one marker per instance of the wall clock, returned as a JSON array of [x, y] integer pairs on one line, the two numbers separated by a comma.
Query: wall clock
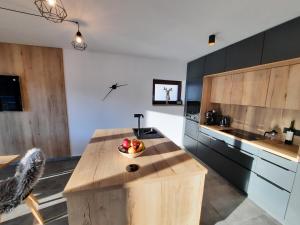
[[113, 87]]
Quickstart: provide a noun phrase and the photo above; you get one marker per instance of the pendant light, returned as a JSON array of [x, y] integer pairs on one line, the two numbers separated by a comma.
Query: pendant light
[[52, 10], [212, 40], [78, 42]]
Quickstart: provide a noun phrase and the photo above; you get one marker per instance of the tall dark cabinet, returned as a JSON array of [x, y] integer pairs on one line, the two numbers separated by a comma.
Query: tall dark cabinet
[[215, 62], [245, 53], [282, 42], [195, 72]]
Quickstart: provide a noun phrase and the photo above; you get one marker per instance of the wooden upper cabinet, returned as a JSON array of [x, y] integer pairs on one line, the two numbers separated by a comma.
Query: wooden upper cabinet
[[221, 89], [237, 89], [293, 88], [255, 87], [277, 90]]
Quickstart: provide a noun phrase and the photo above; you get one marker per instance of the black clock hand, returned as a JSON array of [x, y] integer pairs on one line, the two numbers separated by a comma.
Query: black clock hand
[[107, 94], [122, 85]]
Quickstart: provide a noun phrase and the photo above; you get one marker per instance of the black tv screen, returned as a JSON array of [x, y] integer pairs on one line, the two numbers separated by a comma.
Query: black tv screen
[[10, 93]]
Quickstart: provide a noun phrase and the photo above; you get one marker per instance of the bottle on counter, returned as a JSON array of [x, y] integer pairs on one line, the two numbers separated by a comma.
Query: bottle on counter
[[290, 134]]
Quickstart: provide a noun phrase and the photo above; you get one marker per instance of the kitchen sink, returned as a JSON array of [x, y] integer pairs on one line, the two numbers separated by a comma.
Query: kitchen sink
[[244, 134], [147, 133]]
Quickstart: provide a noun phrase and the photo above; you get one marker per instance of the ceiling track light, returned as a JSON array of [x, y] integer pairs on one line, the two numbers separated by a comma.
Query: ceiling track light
[[78, 43], [52, 10], [212, 40]]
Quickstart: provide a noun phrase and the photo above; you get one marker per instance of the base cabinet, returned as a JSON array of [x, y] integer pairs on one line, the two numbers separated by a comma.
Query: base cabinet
[[270, 197], [233, 172], [190, 144], [292, 215], [270, 181]]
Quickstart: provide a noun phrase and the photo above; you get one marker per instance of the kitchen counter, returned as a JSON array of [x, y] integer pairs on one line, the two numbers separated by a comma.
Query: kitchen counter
[[168, 184], [290, 152]]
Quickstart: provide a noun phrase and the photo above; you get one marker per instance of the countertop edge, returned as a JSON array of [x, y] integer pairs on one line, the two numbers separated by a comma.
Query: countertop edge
[[135, 183], [273, 151]]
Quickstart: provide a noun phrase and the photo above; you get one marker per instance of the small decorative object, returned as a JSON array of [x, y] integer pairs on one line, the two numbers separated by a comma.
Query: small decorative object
[[166, 92], [290, 132], [113, 87], [52, 10], [78, 42], [212, 40], [168, 98], [131, 148]]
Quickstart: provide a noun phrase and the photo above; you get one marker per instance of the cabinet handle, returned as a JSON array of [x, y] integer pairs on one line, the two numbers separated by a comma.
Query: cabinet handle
[[270, 182], [230, 146], [274, 164], [247, 153], [210, 137]]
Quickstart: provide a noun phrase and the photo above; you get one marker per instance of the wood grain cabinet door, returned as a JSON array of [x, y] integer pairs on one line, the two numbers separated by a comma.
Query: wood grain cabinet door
[[293, 88], [221, 89], [255, 87], [237, 89], [277, 90]]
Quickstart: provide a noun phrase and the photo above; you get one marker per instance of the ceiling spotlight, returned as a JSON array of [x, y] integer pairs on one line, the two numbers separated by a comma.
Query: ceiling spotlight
[[212, 40], [78, 43], [52, 10]]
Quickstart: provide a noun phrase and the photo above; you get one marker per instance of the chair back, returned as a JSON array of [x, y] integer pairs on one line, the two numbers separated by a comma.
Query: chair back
[[15, 189]]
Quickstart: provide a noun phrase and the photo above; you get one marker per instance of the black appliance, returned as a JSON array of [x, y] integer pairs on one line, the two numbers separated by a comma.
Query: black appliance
[[10, 93], [225, 121], [244, 134], [212, 117]]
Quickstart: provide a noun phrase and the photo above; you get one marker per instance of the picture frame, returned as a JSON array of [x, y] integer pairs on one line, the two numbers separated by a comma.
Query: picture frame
[[166, 92]]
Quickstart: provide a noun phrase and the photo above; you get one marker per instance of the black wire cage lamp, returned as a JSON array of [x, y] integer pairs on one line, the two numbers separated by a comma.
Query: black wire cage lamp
[[78, 42], [52, 10]]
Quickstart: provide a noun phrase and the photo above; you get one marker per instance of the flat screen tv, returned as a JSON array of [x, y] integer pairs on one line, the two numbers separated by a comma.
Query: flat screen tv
[[10, 93]]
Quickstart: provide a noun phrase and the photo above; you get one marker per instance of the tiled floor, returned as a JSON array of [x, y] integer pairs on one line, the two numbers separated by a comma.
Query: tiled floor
[[225, 205], [222, 204]]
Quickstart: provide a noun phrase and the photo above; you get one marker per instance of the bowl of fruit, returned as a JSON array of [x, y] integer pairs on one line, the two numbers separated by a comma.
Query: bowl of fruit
[[131, 148]]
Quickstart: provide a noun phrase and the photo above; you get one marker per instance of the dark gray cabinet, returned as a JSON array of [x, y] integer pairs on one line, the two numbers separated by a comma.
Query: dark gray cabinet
[[240, 157], [190, 144], [191, 128], [245, 53], [215, 62], [195, 69], [282, 42], [233, 172], [194, 80]]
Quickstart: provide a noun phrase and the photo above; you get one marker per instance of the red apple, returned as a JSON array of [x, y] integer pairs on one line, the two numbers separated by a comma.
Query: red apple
[[126, 143]]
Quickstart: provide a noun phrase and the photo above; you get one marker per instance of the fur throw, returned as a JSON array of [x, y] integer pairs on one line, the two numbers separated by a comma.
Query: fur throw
[[15, 189]]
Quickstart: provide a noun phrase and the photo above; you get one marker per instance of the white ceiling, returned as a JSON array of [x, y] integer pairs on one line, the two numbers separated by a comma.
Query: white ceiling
[[175, 29]]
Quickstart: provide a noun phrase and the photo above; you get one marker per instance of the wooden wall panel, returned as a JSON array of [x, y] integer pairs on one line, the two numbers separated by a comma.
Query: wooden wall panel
[[260, 119], [221, 89], [237, 89], [43, 123], [293, 90], [255, 87], [277, 90]]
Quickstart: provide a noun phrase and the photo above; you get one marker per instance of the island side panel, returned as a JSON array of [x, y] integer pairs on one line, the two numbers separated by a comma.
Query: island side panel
[[175, 201]]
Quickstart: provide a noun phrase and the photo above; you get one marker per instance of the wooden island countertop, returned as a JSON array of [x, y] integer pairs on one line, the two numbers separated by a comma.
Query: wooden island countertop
[[168, 179]]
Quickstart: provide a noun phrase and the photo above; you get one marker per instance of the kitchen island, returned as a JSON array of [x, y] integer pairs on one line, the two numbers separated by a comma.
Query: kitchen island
[[167, 188]]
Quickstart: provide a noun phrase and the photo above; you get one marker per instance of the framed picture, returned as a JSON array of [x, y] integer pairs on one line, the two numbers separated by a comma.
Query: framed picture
[[166, 92]]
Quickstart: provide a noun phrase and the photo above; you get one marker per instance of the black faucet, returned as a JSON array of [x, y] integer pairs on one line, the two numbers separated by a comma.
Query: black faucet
[[138, 115]]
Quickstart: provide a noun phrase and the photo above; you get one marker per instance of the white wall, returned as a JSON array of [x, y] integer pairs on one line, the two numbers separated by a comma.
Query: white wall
[[88, 76]]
